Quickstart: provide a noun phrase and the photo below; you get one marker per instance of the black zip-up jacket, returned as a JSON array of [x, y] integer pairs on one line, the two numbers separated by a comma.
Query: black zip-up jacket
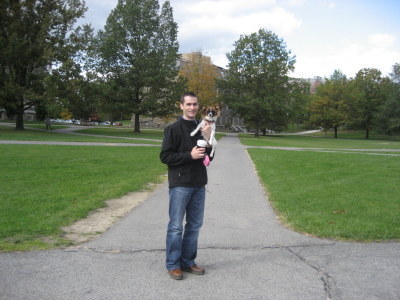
[[177, 145]]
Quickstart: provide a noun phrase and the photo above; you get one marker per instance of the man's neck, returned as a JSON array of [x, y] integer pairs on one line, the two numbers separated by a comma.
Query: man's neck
[[187, 119]]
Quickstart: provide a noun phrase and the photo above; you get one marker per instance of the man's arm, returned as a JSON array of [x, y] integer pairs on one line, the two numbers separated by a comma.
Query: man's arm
[[170, 153]]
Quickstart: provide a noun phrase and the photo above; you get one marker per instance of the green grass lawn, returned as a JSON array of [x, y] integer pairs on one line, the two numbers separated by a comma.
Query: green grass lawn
[[9, 133], [319, 142], [346, 196], [355, 134], [128, 133], [335, 195], [45, 187], [124, 132]]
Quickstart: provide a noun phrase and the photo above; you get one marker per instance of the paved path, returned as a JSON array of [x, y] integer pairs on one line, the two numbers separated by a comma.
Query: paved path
[[246, 252]]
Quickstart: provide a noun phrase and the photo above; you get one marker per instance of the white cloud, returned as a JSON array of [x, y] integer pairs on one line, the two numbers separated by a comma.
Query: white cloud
[[215, 25], [331, 5], [277, 19], [349, 59], [226, 7], [328, 4], [296, 2], [382, 40]]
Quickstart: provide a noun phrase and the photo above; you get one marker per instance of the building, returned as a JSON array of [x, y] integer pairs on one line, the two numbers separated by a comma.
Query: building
[[315, 82], [29, 114]]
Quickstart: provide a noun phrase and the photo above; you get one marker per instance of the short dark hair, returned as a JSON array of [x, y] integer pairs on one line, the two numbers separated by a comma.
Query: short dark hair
[[191, 94]]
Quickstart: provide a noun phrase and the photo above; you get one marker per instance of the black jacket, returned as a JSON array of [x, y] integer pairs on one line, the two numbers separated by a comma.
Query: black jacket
[[183, 170]]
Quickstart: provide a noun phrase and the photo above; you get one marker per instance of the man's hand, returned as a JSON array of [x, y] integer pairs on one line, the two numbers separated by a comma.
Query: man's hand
[[198, 153]]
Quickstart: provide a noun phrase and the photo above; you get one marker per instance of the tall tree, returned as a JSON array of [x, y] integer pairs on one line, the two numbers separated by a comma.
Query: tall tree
[[36, 38], [368, 96], [201, 76], [68, 88], [109, 101], [299, 101], [329, 105], [388, 115], [138, 51], [257, 84]]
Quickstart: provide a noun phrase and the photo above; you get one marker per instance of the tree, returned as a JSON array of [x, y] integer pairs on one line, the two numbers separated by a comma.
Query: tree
[[68, 88], [201, 76], [395, 75], [137, 50], [329, 104], [257, 86], [299, 100], [36, 38], [109, 101], [388, 115], [368, 96]]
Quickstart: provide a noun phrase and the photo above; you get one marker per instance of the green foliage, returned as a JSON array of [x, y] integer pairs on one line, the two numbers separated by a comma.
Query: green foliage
[[367, 102], [136, 56], [388, 115], [368, 96], [37, 38], [67, 88], [257, 84], [329, 107], [298, 101], [41, 112]]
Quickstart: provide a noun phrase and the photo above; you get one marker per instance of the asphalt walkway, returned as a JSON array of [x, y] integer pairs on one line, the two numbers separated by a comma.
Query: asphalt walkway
[[247, 254]]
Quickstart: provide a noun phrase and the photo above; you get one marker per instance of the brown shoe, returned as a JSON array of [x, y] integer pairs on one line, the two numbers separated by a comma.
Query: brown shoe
[[176, 274], [195, 269]]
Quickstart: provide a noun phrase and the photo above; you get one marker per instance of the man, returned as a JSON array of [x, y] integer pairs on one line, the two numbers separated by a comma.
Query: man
[[48, 123], [187, 177]]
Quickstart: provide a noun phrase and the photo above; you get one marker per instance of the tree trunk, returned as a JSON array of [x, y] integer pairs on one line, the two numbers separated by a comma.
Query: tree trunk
[[335, 128], [137, 123], [257, 129], [19, 122], [367, 133]]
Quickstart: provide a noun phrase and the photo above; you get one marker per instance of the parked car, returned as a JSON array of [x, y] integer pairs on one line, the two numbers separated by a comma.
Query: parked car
[[117, 124], [106, 123]]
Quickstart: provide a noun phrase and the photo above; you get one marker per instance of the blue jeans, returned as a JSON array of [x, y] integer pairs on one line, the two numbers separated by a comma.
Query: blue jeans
[[182, 249]]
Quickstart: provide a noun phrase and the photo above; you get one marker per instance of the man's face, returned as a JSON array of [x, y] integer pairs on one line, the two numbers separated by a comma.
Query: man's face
[[190, 108]]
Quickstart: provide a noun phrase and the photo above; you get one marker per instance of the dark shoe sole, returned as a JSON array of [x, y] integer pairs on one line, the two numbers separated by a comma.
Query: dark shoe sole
[[194, 272]]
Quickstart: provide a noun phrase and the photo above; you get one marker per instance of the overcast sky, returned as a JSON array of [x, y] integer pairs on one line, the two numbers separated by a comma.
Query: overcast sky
[[323, 34]]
